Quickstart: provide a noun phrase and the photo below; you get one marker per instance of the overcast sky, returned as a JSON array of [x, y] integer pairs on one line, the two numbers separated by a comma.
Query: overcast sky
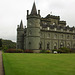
[[12, 11]]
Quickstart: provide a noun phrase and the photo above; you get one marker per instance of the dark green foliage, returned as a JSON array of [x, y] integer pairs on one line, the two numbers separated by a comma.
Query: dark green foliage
[[42, 51], [8, 44], [45, 51], [54, 50], [14, 51], [64, 50], [4, 48], [0, 42]]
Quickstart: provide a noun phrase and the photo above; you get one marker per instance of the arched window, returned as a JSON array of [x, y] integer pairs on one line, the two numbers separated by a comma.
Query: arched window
[[55, 36], [74, 45], [68, 36], [61, 44], [62, 36], [55, 45], [73, 37], [48, 36], [29, 45], [40, 45], [48, 44], [68, 45]]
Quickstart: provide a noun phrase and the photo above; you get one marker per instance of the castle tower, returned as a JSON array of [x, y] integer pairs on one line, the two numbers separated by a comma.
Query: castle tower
[[33, 29], [20, 36]]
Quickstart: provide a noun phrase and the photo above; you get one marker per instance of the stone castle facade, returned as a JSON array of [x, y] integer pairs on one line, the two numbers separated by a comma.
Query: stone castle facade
[[44, 33]]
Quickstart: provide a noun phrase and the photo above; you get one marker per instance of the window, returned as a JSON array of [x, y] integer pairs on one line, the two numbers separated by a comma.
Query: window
[[55, 36], [55, 45], [45, 23], [74, 45], [61, 44], [30, 32], [30, 24], [48, 36], [67, 36], [48, 28], [73, 37], [18, 32], [55, 29], [47, 45], [40, 34], [61, 36], [29, 45], [54, 23], [40, 45], [40, 27], [68, 45]]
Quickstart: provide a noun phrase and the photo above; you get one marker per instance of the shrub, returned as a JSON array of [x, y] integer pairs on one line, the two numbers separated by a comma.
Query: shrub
[[65, 50], [4, 48], [42, 51], [14, 51], [28, 51], [48, 51], [45, 51]]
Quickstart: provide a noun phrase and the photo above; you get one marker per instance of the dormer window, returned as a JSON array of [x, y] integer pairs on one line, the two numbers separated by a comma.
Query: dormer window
[[54, 23], [48, 28], [45, 23], [61, 29], [55, 29]]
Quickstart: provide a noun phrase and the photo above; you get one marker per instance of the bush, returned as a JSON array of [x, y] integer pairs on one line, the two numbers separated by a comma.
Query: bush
[[45, 51], [28, 51], [42, 51], [65, 50], [4, 48], [48, 51], [62, 50], [14, 51]]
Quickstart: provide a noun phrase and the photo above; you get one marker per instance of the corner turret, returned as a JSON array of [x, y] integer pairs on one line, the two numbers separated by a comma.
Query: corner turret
[[20, 34]]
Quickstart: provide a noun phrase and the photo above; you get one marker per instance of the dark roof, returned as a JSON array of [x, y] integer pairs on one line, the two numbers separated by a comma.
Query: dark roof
[[21, 24], [34, 11]]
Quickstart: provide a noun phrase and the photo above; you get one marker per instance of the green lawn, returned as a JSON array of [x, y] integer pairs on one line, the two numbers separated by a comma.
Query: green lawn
[[39, 64]]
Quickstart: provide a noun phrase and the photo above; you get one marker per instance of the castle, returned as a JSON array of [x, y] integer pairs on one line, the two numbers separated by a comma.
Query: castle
[[44, 33]]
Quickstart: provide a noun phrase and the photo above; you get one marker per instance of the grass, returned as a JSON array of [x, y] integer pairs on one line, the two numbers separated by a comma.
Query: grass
[[39, 64]]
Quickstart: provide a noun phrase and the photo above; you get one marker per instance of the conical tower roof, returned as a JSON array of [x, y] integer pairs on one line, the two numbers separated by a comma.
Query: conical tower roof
[[34, 11], [21, 25]]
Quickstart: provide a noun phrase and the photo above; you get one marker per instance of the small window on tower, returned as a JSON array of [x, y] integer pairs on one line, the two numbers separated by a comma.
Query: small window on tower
[[30, 32], [18, 32], [73, 37]]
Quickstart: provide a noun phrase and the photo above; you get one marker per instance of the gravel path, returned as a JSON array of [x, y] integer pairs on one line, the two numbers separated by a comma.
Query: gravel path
[[1, 65]]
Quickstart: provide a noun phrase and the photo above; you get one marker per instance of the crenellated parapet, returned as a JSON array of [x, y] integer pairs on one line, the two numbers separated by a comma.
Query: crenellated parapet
[[58, 28]]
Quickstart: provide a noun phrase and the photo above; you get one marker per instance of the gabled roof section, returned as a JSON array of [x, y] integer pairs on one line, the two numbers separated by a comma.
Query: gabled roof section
[[21, 25], [34, 11]]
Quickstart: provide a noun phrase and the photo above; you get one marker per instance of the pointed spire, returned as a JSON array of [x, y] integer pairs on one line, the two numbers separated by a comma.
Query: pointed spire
[[21, 25], [34, 11]]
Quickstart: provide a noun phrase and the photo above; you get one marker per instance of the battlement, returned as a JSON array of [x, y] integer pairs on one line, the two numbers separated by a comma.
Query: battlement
[[53, 17], [58, 28], [62, 22]]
